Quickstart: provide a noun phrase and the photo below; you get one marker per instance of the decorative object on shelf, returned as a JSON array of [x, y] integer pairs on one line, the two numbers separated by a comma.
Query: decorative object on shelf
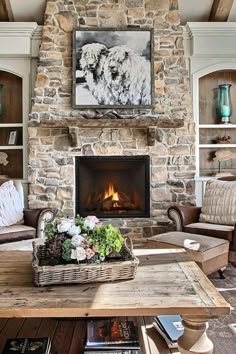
[[82, 250], [224, 105], [3, 158], [12, 137], [222, 139], [223, 155], [1, 99], [3, 162]]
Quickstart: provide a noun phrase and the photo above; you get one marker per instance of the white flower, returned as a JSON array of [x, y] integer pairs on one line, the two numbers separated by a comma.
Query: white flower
[[90, 224], [76, 240], [79, 254], [74, 230], [64, 225]]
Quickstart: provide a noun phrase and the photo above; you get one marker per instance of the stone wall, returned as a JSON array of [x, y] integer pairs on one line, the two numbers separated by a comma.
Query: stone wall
[[57, 132]]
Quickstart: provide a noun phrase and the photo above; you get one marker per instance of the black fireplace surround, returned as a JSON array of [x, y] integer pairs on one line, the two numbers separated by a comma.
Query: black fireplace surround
[[112, 186]]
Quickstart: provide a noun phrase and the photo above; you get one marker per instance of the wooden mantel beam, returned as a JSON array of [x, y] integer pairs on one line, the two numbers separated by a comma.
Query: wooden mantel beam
[[3, 11], [220, 10]]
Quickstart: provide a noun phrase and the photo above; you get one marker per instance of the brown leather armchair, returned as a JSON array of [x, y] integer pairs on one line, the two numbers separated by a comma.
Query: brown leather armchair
[[32, 224], [186, 219]]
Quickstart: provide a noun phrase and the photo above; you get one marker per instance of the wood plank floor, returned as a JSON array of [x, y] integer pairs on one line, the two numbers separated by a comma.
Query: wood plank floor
[[67, 335]]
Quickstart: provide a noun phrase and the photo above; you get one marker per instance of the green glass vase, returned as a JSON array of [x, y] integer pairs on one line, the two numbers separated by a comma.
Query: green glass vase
[[225, 105]]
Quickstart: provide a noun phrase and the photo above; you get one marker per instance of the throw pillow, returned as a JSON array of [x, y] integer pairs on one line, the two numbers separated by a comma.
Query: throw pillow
[[219, 203], [11, 205]]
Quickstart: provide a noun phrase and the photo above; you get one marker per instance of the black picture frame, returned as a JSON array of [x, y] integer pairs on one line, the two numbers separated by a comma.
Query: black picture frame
[[112, 68]]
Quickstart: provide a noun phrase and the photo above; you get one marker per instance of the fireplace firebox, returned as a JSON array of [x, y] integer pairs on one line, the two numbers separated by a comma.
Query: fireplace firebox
[[113, 186]]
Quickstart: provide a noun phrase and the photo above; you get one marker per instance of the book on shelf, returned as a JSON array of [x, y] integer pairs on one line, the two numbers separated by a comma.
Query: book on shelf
[[27, 346], [170, 327], [117, 334]]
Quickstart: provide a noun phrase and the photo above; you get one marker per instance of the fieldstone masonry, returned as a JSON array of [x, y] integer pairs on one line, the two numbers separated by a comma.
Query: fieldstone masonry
[[58, 133]]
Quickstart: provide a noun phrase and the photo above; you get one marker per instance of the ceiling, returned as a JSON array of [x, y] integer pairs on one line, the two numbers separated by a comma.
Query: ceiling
[[190, 11]]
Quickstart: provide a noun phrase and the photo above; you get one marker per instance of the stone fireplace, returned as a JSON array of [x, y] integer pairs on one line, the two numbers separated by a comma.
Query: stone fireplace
[[112, 186], [60, 135]]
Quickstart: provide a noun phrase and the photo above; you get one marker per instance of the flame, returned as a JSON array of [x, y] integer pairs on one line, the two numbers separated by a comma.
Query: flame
[[110, 192]]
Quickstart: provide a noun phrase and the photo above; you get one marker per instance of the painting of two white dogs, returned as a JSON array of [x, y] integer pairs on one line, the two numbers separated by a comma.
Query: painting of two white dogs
[[112, 75]]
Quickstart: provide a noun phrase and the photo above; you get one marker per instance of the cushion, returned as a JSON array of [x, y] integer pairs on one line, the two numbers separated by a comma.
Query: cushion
[[214, 230], [24, 245], [207, 226], [219, 203], [16, 233], [11, 205]]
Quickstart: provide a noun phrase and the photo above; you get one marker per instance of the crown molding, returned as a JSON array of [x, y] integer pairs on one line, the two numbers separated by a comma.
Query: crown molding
[[210, 29], [18, 29], [19, 39]]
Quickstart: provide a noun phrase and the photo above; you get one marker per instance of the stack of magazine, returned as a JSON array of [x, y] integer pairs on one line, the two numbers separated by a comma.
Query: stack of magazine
[[27, 346], [112, 335], [170, 327]]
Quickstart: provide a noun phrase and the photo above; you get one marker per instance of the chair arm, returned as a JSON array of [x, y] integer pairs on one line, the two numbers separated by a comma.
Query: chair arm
[[36, 218], [233, 242], [183, 215]]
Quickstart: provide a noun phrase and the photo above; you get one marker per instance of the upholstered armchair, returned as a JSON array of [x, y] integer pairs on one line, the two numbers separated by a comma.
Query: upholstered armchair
[[216, 217], [16, 222]]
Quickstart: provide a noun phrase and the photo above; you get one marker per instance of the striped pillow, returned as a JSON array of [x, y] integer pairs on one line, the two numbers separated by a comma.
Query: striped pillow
[[219, 203]]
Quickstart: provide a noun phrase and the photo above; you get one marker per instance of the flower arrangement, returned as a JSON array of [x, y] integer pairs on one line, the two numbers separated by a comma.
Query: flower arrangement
[[80, 240]]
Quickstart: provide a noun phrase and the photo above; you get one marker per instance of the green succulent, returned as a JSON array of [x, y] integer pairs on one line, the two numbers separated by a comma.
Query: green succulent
[[66, 250], [107, 239]]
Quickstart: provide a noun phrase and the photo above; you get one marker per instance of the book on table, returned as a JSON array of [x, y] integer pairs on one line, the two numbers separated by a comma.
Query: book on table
[[27, 346], [116, 334], [170, 327]]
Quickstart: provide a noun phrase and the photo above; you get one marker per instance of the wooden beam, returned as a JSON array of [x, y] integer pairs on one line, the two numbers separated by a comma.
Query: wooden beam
[[220, 10], [3, 11]]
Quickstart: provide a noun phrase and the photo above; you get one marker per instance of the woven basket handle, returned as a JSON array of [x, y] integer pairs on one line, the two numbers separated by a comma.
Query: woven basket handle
[[129, 244]]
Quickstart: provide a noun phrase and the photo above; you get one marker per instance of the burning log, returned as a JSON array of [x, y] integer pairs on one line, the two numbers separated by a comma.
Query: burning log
[[124, 197], [112, 200], [105, 204]]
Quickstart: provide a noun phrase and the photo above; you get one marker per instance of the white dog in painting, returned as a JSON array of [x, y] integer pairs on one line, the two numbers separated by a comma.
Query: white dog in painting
[[128, 76], [93, 58]]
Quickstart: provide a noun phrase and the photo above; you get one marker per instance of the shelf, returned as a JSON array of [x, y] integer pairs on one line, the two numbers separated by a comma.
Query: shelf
[[212, 146], [60, 329], [204, 178], [11, 147], [217, 126], [11, 125]]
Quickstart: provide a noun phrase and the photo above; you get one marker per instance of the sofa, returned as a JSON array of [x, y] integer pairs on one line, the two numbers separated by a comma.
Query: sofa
[[16, 222], [216, 217]]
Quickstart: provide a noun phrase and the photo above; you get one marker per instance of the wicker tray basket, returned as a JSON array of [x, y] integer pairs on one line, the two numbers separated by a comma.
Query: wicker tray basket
[[84, 272]]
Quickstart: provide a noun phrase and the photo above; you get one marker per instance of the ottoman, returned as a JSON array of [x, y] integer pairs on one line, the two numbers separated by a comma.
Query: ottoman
[[210, 253]]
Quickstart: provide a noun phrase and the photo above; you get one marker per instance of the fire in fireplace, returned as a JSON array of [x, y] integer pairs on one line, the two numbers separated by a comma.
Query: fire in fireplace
[[113, 186]]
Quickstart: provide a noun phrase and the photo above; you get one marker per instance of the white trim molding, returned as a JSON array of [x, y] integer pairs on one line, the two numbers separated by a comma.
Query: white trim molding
[[15, 38], [210, 39]]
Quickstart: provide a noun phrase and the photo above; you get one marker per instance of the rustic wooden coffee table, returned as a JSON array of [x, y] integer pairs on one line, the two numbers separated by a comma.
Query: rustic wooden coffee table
[[167, 282]]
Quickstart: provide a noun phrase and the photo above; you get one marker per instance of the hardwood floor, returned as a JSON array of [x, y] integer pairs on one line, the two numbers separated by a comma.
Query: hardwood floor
[[67, 336]]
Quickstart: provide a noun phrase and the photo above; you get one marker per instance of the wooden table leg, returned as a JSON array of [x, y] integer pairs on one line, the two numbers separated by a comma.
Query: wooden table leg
[[195, 339]]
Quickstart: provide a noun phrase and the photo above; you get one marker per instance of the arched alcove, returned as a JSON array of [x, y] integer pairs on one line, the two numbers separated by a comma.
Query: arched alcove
[[11, 125]]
